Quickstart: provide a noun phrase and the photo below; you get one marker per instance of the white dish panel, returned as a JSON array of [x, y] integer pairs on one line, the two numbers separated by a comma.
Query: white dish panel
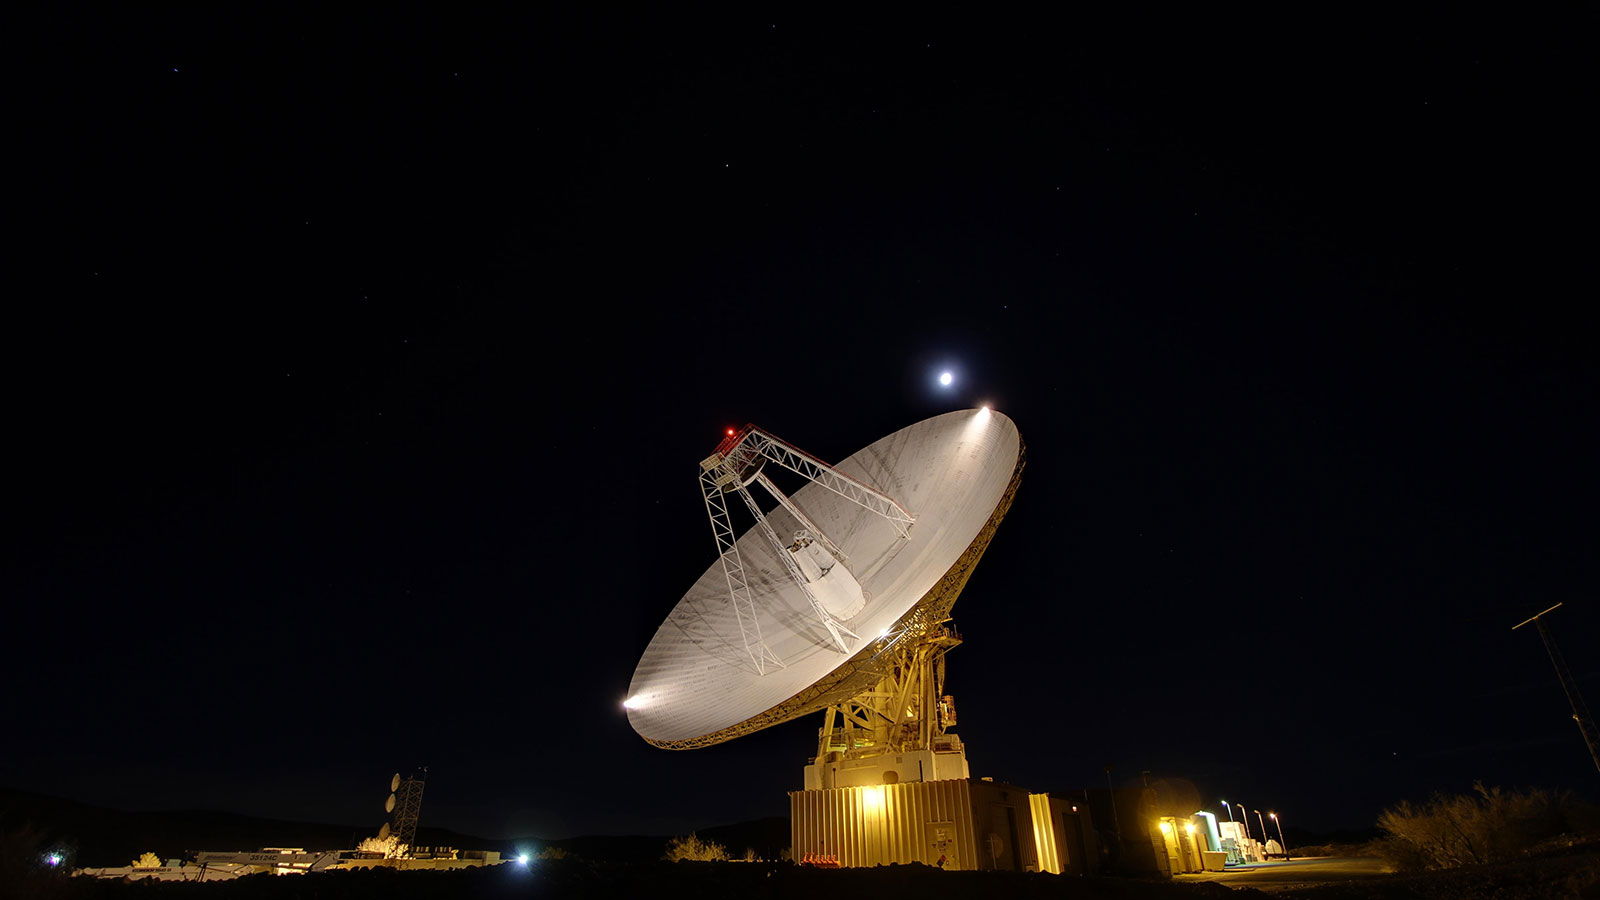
[[950, 472]]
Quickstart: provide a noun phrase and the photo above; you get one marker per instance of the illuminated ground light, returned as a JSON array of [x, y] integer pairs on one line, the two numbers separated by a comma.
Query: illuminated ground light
[[523, 859]]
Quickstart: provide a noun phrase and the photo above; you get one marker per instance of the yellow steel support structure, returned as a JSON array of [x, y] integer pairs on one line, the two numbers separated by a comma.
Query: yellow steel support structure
[[902, 712]]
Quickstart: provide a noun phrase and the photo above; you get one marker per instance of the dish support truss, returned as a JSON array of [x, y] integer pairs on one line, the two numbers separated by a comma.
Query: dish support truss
[[732, 469]]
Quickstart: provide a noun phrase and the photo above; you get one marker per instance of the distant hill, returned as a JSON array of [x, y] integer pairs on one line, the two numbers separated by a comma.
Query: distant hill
[[98, 836]]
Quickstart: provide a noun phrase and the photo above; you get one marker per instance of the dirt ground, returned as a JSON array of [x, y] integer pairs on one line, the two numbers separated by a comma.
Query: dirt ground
[[1573, 876], [1549, 877]]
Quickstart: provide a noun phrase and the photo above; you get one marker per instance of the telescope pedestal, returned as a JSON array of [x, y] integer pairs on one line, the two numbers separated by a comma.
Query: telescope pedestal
[[896, 731]]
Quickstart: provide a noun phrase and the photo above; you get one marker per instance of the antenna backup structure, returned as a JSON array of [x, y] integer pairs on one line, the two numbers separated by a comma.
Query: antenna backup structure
[[837, 600]]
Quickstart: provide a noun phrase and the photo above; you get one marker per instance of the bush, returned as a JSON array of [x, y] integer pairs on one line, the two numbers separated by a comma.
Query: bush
[[1488, 825], [693, 848], [390, 846]]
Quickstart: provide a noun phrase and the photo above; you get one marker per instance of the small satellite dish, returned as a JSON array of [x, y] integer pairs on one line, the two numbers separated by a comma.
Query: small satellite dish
[[394, 783], [384, 831], [388, 805], [885, 542]]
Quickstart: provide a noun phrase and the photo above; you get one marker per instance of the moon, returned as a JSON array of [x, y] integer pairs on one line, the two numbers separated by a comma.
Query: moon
[[945, 378]]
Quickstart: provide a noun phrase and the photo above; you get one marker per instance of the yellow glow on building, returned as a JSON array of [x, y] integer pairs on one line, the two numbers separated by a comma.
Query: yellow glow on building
[[956, 824], [1044, 835], [872, 799]]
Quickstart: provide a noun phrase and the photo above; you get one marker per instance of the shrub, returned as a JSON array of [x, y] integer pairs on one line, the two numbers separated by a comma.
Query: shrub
[[693, 848], [1488, 825], [390, 846], [147, 860]]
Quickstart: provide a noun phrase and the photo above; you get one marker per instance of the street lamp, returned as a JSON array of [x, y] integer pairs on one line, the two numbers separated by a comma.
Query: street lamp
[[1244, 818], [1263, 829], [1229, 809], [1281, 839]]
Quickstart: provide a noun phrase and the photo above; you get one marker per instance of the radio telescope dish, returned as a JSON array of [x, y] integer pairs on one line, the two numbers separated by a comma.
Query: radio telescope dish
[[383, 831], [388, 805], [883, 542], [394, 783]]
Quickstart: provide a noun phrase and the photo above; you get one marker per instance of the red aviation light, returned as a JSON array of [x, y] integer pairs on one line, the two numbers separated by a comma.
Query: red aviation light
[[731, 440]]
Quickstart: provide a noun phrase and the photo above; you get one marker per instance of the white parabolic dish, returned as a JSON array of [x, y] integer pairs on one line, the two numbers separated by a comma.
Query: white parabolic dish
[[695, 685]]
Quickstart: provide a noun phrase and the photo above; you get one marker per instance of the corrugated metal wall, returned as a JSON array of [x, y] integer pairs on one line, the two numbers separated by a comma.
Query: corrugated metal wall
[[1044, 833], [890, 823]]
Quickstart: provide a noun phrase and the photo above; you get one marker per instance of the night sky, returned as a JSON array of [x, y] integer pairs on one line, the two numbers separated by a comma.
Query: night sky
[[358, 365]]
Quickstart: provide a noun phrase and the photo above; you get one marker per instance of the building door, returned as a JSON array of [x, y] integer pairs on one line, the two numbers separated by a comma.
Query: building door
[[1169, 840], [1004, 854], [1071, 850]]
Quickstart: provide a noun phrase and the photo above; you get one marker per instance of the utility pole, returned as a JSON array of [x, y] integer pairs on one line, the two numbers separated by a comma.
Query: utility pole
[[1112, 793], [1580, 712]]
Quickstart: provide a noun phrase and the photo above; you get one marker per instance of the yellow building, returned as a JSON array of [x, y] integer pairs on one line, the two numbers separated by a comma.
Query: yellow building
[[955, 824]]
